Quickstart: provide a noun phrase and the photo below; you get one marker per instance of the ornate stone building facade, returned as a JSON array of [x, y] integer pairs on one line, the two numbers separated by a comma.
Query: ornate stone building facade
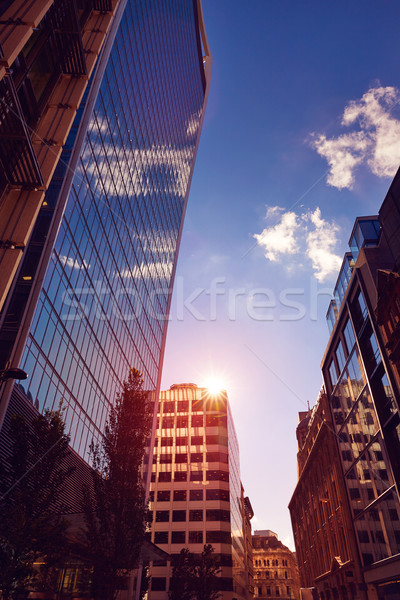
[[275, 569]]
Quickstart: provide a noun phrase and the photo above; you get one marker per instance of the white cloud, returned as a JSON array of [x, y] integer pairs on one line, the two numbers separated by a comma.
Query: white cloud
[[67, 261], [279, 239], [376, 143], [307, 236], [320, 245]]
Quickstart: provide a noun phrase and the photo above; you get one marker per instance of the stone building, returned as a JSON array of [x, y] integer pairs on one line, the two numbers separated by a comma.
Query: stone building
[[327, 553], [275, 568]]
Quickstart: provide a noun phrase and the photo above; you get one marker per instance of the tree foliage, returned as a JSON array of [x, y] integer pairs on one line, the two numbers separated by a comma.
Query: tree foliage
[[31, 484], [195, 577], [116, 513]]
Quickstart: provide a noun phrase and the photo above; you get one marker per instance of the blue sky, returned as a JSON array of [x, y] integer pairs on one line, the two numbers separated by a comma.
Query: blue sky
[[301, 135]]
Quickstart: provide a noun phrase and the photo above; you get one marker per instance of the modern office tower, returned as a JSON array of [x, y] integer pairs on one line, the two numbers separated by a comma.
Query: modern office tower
[[275, 570], [92, 294], [326, 551], [196, 492], [360, 371]]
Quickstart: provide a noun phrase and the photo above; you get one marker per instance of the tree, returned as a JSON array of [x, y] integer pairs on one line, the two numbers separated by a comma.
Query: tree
[[32, 481], [115, 510], [195, 577]]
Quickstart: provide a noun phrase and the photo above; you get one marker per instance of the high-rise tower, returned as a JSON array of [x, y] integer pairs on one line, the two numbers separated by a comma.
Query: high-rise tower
[[92, 293], [196, 492]]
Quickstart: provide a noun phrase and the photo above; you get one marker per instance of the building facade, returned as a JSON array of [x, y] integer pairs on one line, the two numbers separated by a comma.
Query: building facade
[[275, 570], [326, 551], [196, 492], [360, 371], [91, 296]]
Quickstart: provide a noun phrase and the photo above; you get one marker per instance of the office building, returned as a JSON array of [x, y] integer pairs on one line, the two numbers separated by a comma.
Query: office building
[[360, 371], [196, 492], [275, 570], [91, 296]]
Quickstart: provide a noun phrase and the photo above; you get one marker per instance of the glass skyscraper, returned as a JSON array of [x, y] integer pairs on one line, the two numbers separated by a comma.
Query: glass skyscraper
[[100, 269]]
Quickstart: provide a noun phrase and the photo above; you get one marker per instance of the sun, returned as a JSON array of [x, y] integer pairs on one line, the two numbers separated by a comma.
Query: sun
[[214, 385]]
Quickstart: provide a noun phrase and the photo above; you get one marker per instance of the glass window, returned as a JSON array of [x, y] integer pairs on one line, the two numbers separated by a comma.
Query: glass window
[[195, 537], [195, 515], [218, 514], [197, 420], [167, 423], [340, 356], [218, 537], [196, 495], [163, 496], [183, 406], [165, 459], [217, 495], [180, 476], [178, 537], [182, 441], [168, 407], [161, 537], [169, 441], [181, 458], [196, 476], [162, 516], [349, 336], [217, 475], [179, 495], [196, 457], [333, 373], [196, 440], [164, 477], [220, 440], [182, 421], [178, 515]]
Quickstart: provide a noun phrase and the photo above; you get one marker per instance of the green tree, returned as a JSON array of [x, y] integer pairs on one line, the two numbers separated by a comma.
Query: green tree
[[116, 512], [195, 577], [31, 484]]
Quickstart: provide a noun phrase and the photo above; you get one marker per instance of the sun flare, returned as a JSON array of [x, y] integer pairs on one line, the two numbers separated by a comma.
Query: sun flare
[[214, 385]]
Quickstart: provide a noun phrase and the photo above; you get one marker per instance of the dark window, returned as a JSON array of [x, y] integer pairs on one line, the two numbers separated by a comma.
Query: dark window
[[151, 496], [198, 405], [383, 474], [217, 495], [196, 495], [163, 496], [197, 440], [179, 495], [167, 441], [182, 421], [217, 476], [196, 457], [216, 420], [218, 537], [197, 420], [179, 515], [153, 477], [180, 476], [168, 407], [216, 457], [168, 423], [354, 493], [165, 459], [195, 515], [363, 537], [164, 477], [195, 537], [196, 476], [161, 537], [162, 516], [183, 406], [181, 458], [221, 440], [158, 584], [178, 537], [182, 441], [218, 514]]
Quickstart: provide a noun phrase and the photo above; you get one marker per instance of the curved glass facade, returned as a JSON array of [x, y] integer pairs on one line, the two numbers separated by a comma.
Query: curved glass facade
[[104, 301]]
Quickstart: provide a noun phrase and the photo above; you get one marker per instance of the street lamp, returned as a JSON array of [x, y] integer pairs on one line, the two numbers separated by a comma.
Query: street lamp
[[12, 373]]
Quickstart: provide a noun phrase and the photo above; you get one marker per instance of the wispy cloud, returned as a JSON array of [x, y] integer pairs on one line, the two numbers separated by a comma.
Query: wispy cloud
[[375, 142], [68, 261], [321, 242], [307, 235]]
